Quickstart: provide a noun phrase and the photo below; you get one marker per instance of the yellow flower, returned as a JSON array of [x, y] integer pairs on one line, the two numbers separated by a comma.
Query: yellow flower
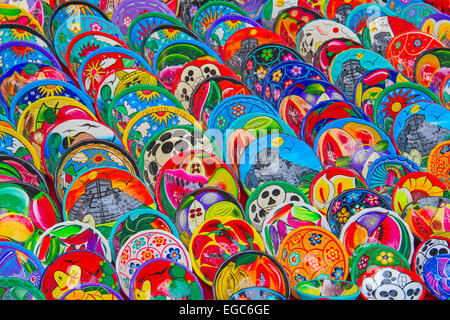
[[76, 27], [385, 257], [343, 215], [261, 72], [276, 77]]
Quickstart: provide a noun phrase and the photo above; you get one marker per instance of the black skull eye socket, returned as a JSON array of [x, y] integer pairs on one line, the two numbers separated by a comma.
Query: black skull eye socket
[[276, 192], [265, 194], [443, 251], [167, 147], [262, 213]]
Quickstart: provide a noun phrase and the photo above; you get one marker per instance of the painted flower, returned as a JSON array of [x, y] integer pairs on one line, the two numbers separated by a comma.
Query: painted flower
[[336, 206], [398, 44], [338, 273], [276, 77], [127, 21], [312, 261], [372, 200], [294, 259], [238, 110], [261, 72], [276, 94], [445, 149], [139, 243], [353, 196], [343, 215], [323, 276], [133, 267], [417, 43], [221, 121], [385, 257], [258, 87], [287, 83], [147, 254], [362, 264], [332, 254], [249, 65], [299, 277], [174, 254], [75, 27], [125, 256], [283, 254], [316, 238], [159, 241], [296, 71], [95, 26], [357, 208], [288, 57], [267, 54], [35, 278], [400, 67], [268, 94]]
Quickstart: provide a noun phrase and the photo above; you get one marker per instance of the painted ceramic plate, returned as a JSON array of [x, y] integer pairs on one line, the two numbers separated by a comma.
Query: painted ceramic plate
[[414, 186], [143, 24], [42, 89], [270, 158], [162, 35], [329, 49], [428, 216], [191, 74], [164, 279], [18, 32], [391, 283], [268, 196], [88, 154], [435, 274], [339, 10], [403, 50], [349, 203], [150, 121], [224, 27], [15, 144], [215, 240], [312, 243], [15, 169], [187, 171], [314, 33], [257, 293], [145, 246], [84, 43], [377, 34], [386, 172], [348, 66], [283, 74], [95, 66], [201, 205], [417, 12], [323, 113], [232, 108], [249, 269], [91, 291], [27, 214], [330, 183], [129, 102], [426, 122], [66, 236], [210, 12], [10, 13], [137, 220], [369, 255], [285, 218], [324, 289], [115, 191], [19, 262], [290, 21], [169, 142], [431, 67], [116, 81], [259, 61], [434, 24], [378, 225], [13, 288], [371, 84], [61, 136], [363, 143], [364, 13], [439, 162], [170, 58], [74, 268], [245, 40], [210, 92], [397, 97]]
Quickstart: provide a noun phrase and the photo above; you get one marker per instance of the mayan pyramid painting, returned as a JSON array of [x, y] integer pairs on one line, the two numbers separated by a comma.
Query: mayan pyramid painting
[[103, 202]]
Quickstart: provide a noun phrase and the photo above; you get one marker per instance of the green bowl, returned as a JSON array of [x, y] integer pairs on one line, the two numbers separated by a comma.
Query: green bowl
[[327, 289]]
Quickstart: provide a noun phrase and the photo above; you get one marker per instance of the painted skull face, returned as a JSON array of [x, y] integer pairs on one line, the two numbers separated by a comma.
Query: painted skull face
[[170, 143], [391, 284], [269, 198], [430, 248]]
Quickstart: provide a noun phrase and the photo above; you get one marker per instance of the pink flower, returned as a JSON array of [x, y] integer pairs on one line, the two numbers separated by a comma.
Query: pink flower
[[96, 27], [288, 57]]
